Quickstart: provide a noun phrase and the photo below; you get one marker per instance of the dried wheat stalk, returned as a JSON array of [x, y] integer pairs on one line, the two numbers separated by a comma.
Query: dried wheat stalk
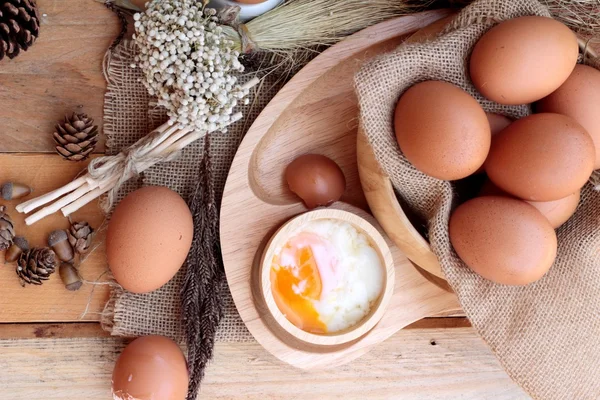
[[305, 24]]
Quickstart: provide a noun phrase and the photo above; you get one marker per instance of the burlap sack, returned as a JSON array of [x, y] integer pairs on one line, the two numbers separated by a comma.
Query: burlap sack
[[129, 114], [547, 334]]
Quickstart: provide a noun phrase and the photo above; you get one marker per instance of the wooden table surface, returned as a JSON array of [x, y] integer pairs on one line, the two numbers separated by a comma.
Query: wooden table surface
[[51, 349]]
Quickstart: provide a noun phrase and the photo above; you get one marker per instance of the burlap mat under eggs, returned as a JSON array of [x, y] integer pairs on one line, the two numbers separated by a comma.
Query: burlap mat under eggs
[[547, 334], [129, 114]]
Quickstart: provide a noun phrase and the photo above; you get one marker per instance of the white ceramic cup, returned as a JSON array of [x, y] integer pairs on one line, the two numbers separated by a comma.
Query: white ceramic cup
[[247, 11]]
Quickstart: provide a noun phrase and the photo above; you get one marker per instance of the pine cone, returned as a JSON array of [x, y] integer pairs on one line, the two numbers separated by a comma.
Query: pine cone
[[36, 265], [7, 229], [76, 137], [19, 26], [80, 236]]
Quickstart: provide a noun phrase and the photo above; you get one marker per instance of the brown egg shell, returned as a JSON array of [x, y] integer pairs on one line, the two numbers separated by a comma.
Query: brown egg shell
[[505, 240], [442, 130], [557, 211], [316, 179], [521, 60], [150, 368], [541, 157], [497, 123], [148, 238], [578, 98]]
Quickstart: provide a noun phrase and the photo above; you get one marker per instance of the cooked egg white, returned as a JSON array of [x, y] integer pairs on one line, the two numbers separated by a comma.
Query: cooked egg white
[[326, 277]]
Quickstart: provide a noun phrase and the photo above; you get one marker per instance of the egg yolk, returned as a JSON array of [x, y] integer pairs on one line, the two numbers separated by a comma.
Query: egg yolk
[[295, 287]]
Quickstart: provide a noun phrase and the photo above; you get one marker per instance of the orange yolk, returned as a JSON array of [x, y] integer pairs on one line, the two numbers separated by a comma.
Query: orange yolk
[[294, 287]]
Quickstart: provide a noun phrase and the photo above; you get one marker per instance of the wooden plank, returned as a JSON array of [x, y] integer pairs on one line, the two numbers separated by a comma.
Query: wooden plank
[[93, 329], [407, 366], [51, 301], [52, 331], [62, 72]]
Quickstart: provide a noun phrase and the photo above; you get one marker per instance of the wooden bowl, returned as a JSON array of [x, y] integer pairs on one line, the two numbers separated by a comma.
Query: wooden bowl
[[389, 213], [381, 196], [377, 242]]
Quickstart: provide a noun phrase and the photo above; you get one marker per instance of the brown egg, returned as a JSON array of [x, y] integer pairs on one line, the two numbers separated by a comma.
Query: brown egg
[[557, 211], [148, 239], [521, 60], [541, 157], [150, 368], [502, 239], [442, 130], [497, 123], [578, 98], [316, 179]]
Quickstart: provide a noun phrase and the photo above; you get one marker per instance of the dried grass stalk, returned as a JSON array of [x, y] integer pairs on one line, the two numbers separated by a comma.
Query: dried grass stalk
[[306, 24], [583, 16]]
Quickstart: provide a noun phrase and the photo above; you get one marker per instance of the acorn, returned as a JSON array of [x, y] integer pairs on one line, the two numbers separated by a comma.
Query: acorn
[[12, 191], [59, 242], [70, 277], [18, 246]]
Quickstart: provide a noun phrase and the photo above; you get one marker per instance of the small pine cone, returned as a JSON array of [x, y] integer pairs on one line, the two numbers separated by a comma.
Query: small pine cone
[[76, 137], [80, 236], [36, 265], [7, 229], [19, 26]]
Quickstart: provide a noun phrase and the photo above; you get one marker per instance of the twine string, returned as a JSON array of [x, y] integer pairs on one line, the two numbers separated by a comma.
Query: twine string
[[127, 164]]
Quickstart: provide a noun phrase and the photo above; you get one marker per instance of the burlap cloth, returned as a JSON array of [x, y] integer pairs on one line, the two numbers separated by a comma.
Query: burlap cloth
[[129, 114], [547, 334]]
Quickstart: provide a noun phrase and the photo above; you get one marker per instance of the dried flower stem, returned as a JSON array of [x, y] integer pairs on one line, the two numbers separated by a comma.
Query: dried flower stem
[[303, 24], [108, 173]]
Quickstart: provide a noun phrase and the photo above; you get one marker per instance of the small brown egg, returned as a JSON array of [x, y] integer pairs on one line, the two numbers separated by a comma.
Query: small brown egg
[[150, 368], [497, 123], [521, 60], [316, 179], [504, 240], [542, 157], [578, 98], [557, 211], [148, 238], [442, 130]]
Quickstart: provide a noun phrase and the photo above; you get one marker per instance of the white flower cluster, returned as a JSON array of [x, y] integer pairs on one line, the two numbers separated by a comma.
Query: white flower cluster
[[188, 63]]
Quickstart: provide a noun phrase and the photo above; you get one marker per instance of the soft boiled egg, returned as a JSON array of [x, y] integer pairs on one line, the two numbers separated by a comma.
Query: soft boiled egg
[[326, 277]]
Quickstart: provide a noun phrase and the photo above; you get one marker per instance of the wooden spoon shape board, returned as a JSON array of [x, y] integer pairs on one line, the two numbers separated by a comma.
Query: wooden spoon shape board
[[316, 112]]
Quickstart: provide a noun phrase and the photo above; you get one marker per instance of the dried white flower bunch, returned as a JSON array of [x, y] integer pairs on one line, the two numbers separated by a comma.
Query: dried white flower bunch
[[189, 63]]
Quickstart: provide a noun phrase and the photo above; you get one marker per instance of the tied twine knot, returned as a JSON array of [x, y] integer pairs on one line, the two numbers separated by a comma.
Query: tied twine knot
[[248, 45], [228, 16], [129, 163]]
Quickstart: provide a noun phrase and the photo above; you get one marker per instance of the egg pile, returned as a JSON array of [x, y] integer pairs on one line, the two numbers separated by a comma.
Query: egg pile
[[536, 166], [326, 277]]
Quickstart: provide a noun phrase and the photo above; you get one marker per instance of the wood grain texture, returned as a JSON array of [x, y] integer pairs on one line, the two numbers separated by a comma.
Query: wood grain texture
[[60, 73], [70, 330], [424, 364], [313, 113], [50, 301], [291, 228]]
